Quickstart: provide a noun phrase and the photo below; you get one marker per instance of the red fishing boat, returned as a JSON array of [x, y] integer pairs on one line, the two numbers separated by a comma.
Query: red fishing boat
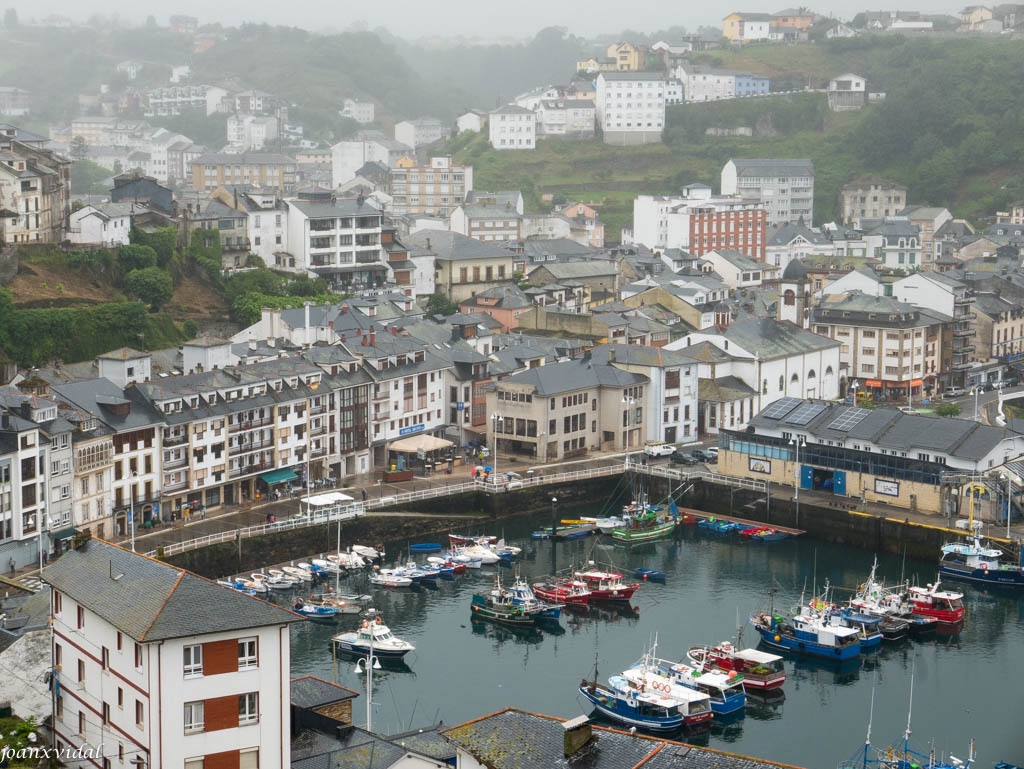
[[762, 672], [945, 606], [607, 585], [564, 591]]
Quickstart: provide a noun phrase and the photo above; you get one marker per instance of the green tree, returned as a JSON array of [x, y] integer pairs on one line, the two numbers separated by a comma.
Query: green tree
[[439, 304], [133, 258], [162, 241], [86, 177], [152, 285], [947, 410], [78, 150]]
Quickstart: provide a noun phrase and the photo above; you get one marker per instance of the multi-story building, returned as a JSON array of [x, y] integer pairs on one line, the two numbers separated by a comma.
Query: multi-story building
[[102, 131], [340, 240], [266, 225], [464, 266], [628, 57], [747, 27], [366, 146], [421, 131], [847, 93], [701, 83], [107, 224], [1000, 328], [256, 103], [631, 107], [251, 132], [360, 111], [869, 198], [562, 410], [512, 128], [784, 186], [15, 102], [266, 170], [146, 678], [34, 189], [887, 346], [928, 220], [175, 99], [896, 243], [565, 117], [491, 216], [698, 222], [433, 189]]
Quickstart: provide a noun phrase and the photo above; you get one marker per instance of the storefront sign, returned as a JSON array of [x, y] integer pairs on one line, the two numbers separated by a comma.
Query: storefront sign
[[889, 488]]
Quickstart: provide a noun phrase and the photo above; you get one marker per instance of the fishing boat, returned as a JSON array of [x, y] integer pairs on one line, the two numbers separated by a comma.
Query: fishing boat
[[649, 575], [973, 561], [873, 597], [890, 628], [521, 594], [301, 574], [806, 634], [761, 671], [723, 690], [316, 611], [946, 606], [827, 613], [389, 578], [646, 525], [373, 637], [647, 710], [606, 585], [345, 604], [563, 591], [487, 607]]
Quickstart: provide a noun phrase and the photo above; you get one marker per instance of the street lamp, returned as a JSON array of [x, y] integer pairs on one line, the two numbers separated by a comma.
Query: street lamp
[[132, 475], [796, 481], [854, 384], [372, 663], [554, 516], [977, 389], [495, 420], [1006, 478], [629, 420]]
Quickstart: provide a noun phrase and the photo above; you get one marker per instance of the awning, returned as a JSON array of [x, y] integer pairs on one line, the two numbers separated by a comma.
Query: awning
[[420, 442], [278, 476], [63, 534], [322, 500]]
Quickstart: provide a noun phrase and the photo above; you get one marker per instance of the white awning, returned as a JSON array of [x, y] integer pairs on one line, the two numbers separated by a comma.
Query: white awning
[[420, 442], [323, 500]]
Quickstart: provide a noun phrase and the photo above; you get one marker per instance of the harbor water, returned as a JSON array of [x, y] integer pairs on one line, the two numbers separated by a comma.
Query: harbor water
[[965, 685]]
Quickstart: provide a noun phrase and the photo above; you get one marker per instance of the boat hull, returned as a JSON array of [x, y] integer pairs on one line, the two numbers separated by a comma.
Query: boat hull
[[364, 649], [612, 709], [790, 643], [1005, 577], [555, 594], [630, 536]]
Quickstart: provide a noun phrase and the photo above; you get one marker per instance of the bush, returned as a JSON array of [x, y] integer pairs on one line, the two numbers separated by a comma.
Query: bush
[[152, 285], [947, 410]]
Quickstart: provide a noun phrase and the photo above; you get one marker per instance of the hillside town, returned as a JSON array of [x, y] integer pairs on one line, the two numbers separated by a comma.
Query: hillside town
[[868, 353]]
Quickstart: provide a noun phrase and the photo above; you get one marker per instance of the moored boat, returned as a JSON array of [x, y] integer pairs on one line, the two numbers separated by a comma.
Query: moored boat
[[607, 585], [426, 547], [375, 638], [369, 554], [647, 676], [486, 607], [761, 671], [874, 598], [521, 594], [647, 710], [316, 611], [807, 634], [563, 591], [946, 606], [301, 574], [389, 578], [762, 534], [649, 575]]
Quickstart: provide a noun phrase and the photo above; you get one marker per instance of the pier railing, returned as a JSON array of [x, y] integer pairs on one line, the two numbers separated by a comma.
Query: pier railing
[[493, 485]]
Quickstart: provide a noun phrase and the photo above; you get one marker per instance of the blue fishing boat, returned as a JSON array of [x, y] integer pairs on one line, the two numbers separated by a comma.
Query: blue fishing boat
[[316, 612], [806, 634], [521, 594], [651, 575], [647, 710], [973, 561]]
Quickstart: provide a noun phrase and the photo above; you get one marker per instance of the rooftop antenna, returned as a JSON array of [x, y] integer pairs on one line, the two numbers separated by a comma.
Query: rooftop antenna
[[113, 576]]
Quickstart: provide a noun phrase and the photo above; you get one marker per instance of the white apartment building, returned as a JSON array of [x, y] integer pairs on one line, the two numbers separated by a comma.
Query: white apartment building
[[348, 156], [566, 117], [251, 132], [432, 189], [175, 99], [157, 667], [360, 111], [785, 186], [631, 106], [268, 227], [512, 128], [474, 121], [420, 131], [339, 240], [705, 84], [107, 131]]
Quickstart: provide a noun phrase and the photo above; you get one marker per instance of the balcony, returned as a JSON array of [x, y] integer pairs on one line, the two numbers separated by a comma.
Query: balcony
[[251, 424], [963, 317], [368, 258], [170, 464], [175, 440], [237, 472], [170, 486]]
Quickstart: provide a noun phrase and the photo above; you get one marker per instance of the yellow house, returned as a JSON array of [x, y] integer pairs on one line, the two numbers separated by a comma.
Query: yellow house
[[973, 16], [731, 26], [627, 57]]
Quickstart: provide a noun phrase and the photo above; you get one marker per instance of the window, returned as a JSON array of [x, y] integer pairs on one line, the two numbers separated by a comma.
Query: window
[[120, 697], [81, 617], [119, 640], [193, 660], [81, 722], [138, 713], [81, 671], [249, 758], [105, 658], [106, 713], [193, 763], [247, 653], [248, 712], [138, 655], [56, 603], [193, 717]]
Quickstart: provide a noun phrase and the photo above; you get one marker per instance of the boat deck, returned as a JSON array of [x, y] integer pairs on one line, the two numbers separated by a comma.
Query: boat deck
[[571, 532], [704, 515]]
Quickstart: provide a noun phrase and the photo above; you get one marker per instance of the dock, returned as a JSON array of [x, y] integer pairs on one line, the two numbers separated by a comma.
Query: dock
[[704, 515], [572, 532]]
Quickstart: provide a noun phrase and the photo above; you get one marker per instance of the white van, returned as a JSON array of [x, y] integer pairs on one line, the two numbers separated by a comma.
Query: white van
[[953, 392]]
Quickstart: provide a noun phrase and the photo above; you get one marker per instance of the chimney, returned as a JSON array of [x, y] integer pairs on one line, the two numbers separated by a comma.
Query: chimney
[[577, 735], [307, 313], [373, 338], [344, 308], [611, 356], [330, 325], [428, 244], [394, 331]]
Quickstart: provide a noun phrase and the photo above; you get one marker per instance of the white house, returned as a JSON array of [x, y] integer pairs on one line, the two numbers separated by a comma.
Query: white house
[[348, 156], [149, 677], [474, 121], [360, 111], [631, 106], [705, 83], [420, 131], [565, 117], [512, 128], [785, 186], [107, 224], [847, 92], [251, 132], [532, 99], [738, 270]]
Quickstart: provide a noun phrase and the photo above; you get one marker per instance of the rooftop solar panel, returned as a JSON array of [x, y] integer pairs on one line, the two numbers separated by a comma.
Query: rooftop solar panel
[[805, 413], [780, 408], [849, 419]]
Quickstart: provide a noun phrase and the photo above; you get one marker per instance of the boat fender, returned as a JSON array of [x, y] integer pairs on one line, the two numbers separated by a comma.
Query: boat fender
[[365, 624], [777, 638], [982, 565], [379, 620]]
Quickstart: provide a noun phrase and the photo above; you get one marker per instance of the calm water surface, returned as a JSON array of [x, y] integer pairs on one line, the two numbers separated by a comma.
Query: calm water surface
[[967, 685]]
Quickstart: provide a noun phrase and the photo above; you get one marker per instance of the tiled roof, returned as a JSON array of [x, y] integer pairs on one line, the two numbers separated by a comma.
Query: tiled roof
[[311, 692], [154, 601]]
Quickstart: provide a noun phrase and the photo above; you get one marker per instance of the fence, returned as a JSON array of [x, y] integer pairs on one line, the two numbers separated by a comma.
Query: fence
[[494, 485]]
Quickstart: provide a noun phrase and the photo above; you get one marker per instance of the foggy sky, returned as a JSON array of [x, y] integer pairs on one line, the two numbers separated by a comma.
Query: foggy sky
[[446, 18]]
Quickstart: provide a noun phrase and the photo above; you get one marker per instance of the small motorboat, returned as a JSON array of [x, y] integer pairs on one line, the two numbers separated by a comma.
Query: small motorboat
[[650, 575], [348, 561], [426, 547], [330, 567], [369, 554], [469, 539], [280, 574], [318, 573], [345, 604], [236, 586], [389, 578], [447, 568], [374, 638], [272, 582], [301, 574], [315, 611], [251, 584]]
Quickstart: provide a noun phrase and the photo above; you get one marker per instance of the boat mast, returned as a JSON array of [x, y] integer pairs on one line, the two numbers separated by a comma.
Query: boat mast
[[337, 573], [910, 710], [867, 739]]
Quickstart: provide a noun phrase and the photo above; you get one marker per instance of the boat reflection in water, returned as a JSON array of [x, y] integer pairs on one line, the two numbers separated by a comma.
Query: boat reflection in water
[[610, 611], [507, 633], [765, 705], [728, 727], [388, 665], [838, 672]]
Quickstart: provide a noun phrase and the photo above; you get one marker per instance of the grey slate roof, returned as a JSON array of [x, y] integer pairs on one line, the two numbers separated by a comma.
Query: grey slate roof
[[357, 749], [772, 338], [311, 692], [640, 355], [155, 601], [428, 742], [341, 207], [94, 395], [572, 375], [633, 75], [773, 166], [451, 246]]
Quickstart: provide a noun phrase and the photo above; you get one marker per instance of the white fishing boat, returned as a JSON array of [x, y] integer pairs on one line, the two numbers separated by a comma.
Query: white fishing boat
[[373, 638], [369, 554], [389, 578], [301, 574], [281, 575], [331, 567], [348, 561]]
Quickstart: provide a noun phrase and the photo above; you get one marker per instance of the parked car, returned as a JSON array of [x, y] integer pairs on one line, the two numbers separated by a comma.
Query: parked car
[[704, 455], [683, 458], [953, 392], [659, 449], [908, 410]]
